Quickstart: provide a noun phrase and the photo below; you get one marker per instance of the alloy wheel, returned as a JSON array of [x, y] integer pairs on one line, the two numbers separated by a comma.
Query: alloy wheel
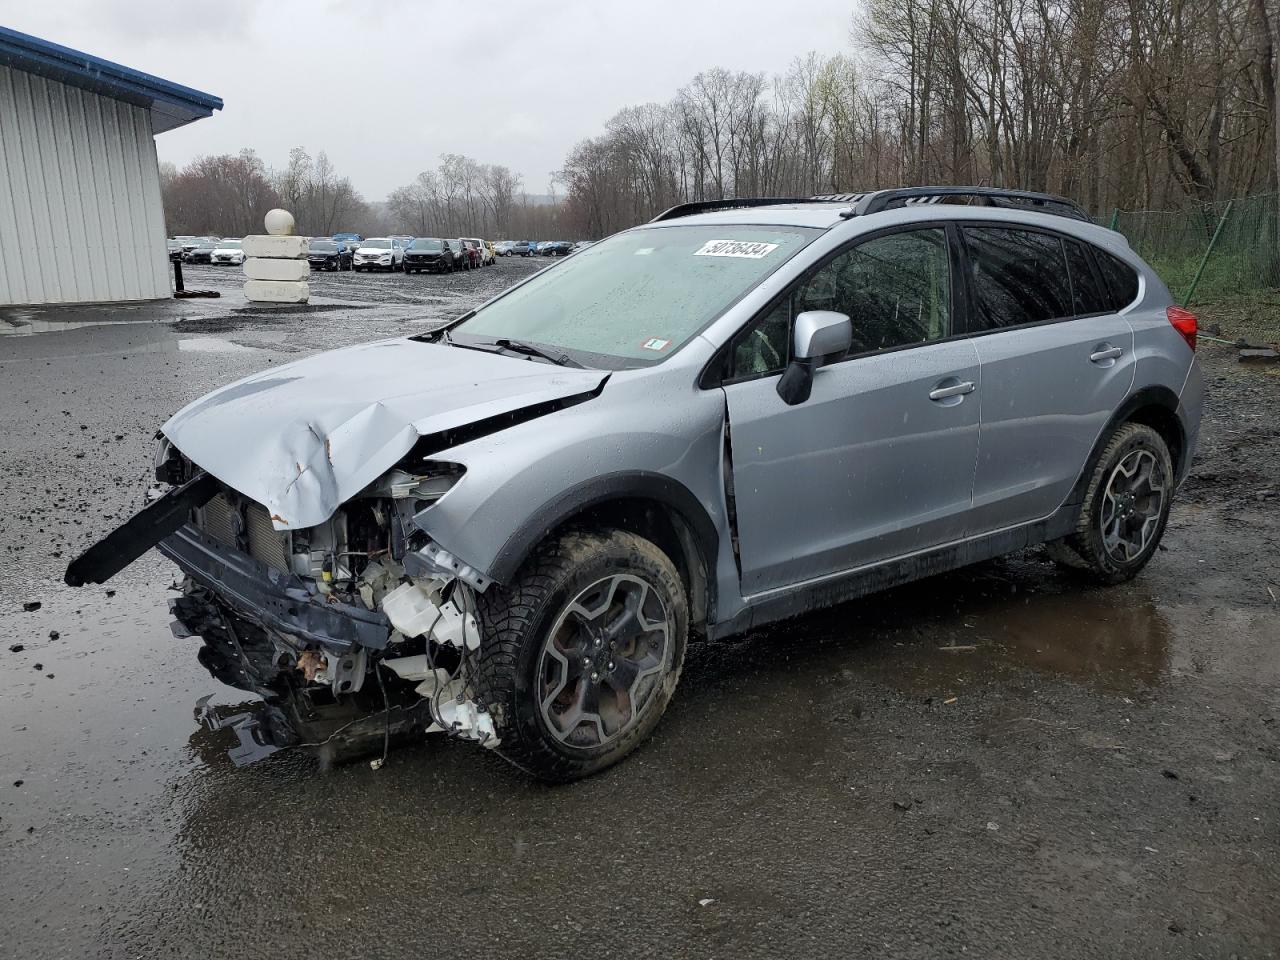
[[603, 661], [1132, 505]]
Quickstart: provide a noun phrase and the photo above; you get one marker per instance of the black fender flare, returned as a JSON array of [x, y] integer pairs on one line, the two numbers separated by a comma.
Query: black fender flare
[[1153, 396], [623, 485]]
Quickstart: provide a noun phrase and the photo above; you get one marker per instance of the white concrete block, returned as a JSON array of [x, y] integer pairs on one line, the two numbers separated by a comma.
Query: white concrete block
[[277, 291], [260, 268], [288, 248]]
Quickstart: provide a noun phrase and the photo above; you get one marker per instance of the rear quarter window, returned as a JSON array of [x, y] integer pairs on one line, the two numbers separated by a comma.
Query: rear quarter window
[[1089, 294], [1121, 279]]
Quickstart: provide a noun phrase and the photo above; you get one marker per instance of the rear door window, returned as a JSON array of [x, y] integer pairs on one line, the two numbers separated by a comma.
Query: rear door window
[[1017, 277]]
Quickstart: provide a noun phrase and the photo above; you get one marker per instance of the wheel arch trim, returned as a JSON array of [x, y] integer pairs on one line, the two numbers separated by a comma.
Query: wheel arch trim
[[642, 485]]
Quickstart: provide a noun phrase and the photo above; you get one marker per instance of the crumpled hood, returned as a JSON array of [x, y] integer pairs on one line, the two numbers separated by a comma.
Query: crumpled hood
[[303, 438]]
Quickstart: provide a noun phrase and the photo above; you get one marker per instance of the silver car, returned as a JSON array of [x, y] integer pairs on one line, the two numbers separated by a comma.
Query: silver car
[[508, 529]]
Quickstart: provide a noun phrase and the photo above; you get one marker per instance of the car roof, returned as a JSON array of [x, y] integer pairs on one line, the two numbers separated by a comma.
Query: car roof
[[820, 215]]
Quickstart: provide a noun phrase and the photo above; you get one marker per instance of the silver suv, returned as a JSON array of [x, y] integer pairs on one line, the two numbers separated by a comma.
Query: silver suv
[[745, 410]]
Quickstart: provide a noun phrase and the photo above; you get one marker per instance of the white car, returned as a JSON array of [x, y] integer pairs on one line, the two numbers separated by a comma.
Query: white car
[[227, 251], [379, 253], [503, 247], [486, 255]]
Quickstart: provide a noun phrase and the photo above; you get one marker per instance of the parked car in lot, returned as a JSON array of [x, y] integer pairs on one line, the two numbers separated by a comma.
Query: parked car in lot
[[190, 243], [470, 253], [557, 248], [733, 415], [461, 259], [200, 251], [484, 254], [329, 255], [522, 248], [227, 252], [430, 254], [503, 248], [352, 240], [379, 253]]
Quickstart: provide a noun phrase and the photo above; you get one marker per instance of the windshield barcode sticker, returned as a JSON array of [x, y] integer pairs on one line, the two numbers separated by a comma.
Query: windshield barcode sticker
[[736, 248]]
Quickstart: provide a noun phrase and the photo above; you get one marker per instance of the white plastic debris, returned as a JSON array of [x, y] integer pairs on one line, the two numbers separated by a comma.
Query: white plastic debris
[[416, 610], [412, 607], [456, 713]]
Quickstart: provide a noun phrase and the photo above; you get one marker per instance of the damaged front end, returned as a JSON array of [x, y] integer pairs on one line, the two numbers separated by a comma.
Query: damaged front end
[[355, 632]]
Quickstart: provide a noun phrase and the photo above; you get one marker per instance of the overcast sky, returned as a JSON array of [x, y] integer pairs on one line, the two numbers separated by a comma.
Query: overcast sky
[[364, 80]]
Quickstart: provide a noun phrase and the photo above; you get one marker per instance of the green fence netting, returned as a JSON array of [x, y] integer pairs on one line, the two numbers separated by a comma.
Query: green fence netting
[[1242, 265]]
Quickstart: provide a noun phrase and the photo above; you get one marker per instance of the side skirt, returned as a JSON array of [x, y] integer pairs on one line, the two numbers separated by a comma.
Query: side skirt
[[806, 597]]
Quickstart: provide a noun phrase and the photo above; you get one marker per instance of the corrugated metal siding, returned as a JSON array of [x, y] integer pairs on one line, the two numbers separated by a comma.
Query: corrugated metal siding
[[80, 214]]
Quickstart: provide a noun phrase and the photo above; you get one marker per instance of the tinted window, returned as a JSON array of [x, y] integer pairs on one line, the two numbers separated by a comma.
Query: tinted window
[[1019, 276], [1087, 293], [1122, 279], [432, 246], [895, 289], [324, 246]]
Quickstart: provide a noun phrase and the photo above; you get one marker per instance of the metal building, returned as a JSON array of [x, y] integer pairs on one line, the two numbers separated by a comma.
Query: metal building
[[80, 213]]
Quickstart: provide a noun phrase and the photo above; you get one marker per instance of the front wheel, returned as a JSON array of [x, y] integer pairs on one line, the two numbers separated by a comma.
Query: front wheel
[[582, 652], [1125, 509]]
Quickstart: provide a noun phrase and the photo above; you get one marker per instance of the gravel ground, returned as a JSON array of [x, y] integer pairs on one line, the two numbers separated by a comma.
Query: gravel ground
[[1096, 777]]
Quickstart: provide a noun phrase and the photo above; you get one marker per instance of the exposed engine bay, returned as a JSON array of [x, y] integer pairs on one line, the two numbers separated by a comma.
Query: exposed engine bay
[[355, 632]]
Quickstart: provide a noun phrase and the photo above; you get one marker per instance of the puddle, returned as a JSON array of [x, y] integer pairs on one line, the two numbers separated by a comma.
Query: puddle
[[15, 324], [941, 635], [211, 345]]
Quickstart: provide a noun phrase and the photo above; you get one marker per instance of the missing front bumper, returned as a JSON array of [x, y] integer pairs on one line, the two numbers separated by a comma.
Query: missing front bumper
[[273, 599]]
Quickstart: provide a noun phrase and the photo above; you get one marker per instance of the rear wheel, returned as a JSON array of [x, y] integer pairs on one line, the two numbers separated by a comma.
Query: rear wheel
[[1125, 509], [582, 652]]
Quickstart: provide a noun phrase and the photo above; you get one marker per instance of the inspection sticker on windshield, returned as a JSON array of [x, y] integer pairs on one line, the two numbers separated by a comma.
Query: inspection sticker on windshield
[[655, 343], [750, 249]]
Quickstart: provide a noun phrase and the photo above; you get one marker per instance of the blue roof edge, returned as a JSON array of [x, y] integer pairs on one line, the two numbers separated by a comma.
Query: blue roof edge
[[53, 60]]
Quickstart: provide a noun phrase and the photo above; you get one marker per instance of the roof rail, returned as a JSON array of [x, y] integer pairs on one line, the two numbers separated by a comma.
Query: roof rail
[[708, 206], [879, 200]]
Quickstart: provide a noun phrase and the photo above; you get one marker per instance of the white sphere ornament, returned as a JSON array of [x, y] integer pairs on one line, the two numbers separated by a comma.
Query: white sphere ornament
[[279, 223]]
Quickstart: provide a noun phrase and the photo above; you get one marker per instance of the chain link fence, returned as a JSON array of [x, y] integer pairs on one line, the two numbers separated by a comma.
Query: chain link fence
[[1224, 256]]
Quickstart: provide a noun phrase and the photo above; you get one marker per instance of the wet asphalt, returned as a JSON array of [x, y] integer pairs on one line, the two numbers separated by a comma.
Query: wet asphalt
[[996, 762]]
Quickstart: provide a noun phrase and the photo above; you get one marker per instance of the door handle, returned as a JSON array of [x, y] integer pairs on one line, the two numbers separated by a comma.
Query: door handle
[[954, 390], [1110, 353]]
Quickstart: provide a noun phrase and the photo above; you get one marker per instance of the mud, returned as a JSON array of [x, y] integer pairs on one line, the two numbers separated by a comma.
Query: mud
[[999, 761]]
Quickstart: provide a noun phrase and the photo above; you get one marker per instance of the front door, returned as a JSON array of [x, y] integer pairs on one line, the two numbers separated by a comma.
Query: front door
[[879, 461]]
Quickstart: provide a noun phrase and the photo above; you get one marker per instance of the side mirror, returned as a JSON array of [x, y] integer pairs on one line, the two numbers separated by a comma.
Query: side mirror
[[819, 334]]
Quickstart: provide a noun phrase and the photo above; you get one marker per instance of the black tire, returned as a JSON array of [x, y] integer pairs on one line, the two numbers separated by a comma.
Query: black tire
[[517, 621], [1112, 557]]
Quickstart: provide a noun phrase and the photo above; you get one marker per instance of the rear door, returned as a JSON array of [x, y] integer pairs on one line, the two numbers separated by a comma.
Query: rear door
[[1057, 362], [879, 460]]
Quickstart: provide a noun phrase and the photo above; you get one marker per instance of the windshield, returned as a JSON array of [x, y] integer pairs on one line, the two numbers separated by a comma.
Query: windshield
[[323, 246], [431, 246], [229, 245], [637, 297], [378, 243]]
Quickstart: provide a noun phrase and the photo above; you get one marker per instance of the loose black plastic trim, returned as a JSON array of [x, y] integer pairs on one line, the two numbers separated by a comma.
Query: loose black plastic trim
[[136, 536]]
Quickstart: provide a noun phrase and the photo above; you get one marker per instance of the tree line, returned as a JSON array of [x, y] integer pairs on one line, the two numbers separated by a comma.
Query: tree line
[[1115, 103], [228, 195]]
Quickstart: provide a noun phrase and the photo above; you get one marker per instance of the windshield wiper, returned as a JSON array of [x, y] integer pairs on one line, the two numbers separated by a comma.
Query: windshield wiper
[[529, 350]]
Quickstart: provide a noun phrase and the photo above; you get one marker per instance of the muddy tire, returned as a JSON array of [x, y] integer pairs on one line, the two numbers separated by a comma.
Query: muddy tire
[[1125, 509], [582, 652]]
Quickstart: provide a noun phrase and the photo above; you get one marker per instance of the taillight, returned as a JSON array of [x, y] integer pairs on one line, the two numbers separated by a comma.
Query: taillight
[[1184, 321]]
